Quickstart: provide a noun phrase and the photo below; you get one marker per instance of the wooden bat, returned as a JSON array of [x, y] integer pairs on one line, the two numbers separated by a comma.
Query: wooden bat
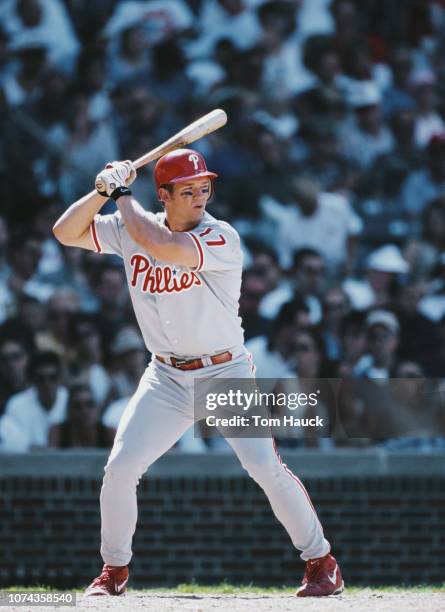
[[194, 131]]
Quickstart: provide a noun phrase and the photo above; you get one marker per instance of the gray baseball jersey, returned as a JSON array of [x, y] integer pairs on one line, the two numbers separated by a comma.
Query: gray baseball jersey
[[169, 300]]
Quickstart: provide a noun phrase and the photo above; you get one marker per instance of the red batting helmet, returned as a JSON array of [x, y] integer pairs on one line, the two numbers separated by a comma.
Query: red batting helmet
[[179, 166]]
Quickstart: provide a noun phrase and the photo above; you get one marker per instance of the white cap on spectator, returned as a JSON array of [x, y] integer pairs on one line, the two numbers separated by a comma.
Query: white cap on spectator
[[385, 318], [387, 258], [127, 339], [365, 94]]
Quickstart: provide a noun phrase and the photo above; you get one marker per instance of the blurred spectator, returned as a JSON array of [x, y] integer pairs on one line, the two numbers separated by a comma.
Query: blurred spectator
[[14, 360], [130, 361], [419, 339], [322, 221], [305, 279], [113, 299], [264, 264], [271, 177], [398, 95], [74, 272], [422, 253], [91, 75], [368, 136], [253, 289], [383, 336], [42, 22], [131, 58], [87, 356], [29, 320], [82, 427], [272, 351], [326, 163], [428, 121], [23, 86], [56, 337], [309, 354], [42, 223], [169, 82], [432, 304], [335, 306], [284, 72], [159, 19], [24, 252], [377, 289], [353, 343], [421, 186], [88, 144], [231, 20], [29, 414]]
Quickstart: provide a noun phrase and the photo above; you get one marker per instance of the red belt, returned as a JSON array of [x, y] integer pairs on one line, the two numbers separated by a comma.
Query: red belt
[[195, 364]]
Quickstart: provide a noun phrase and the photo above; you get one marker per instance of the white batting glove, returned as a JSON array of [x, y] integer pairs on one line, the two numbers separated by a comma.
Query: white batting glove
[[115, 178], [127, 168]]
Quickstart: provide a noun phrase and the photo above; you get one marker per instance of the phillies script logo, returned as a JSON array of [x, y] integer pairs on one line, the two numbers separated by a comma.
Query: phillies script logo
[[160, 279]]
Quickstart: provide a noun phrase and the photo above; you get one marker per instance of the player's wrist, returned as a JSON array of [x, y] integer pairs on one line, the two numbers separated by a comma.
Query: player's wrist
[[119, 192]]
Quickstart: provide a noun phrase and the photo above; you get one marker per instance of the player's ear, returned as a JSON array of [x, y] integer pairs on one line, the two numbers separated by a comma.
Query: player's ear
[[163, 194]]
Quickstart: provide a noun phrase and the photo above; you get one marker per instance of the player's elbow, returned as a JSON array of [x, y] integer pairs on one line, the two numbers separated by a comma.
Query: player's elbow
[[59, 234], [63, 236]]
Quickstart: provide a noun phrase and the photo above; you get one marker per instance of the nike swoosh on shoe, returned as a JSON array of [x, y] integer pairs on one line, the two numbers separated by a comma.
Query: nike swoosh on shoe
[[333, 578]]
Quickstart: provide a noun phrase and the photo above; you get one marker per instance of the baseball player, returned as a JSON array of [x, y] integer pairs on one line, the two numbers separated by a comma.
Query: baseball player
[[181, 261]]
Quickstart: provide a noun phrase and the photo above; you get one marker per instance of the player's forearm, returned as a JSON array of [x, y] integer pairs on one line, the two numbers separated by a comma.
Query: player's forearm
[[77, 218], [143, 227]]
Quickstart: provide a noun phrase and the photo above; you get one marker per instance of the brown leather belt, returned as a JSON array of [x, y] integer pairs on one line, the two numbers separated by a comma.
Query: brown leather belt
[[195, 364]]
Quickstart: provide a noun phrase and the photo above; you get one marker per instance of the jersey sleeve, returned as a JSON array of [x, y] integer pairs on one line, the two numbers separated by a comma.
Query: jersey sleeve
[[218, 248], [106, 234]]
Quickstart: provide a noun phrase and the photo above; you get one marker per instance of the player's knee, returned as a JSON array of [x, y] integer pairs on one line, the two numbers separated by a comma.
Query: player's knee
[[124, 468], [261, 466]]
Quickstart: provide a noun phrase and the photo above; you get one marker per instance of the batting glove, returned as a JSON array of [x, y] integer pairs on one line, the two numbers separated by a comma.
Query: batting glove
[[113, 181], [127, 168]]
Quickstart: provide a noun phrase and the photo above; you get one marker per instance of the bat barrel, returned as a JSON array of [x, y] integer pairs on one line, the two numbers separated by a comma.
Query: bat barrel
[[196, 130]]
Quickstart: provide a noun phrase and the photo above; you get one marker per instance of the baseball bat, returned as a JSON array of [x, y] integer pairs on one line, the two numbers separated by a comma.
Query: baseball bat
[[194, 131]]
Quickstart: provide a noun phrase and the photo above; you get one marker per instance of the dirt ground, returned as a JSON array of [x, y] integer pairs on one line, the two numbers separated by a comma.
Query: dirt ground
[[360, 601]]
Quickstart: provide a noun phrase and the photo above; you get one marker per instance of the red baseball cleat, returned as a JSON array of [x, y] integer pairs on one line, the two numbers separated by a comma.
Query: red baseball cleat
[[112, 581], [322, 578]]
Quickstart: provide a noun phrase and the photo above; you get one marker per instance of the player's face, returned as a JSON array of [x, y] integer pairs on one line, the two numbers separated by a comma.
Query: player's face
[[188, 200]]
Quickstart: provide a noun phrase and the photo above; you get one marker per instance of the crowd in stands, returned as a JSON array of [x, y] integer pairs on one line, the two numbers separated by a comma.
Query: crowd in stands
[[332, 169]]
